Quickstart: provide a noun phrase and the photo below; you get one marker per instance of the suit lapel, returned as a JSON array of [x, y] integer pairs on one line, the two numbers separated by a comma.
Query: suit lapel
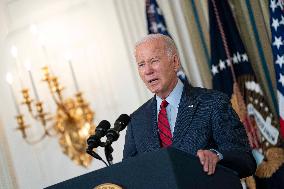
[[152, 129], [187, 107]]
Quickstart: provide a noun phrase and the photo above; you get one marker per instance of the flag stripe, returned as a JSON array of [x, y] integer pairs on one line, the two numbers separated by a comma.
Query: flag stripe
[[281, 112], [281, 104], [281, 126]]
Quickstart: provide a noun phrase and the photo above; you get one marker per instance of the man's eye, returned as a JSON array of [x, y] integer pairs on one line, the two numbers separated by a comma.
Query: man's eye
[[140, 65], [154, 61]]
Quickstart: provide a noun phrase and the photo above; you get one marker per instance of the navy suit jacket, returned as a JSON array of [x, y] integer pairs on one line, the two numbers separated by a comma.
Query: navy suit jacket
[[205, 120]]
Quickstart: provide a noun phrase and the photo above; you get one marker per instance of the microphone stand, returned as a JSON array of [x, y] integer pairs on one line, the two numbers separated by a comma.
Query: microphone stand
[[95, 155], [108, 154]]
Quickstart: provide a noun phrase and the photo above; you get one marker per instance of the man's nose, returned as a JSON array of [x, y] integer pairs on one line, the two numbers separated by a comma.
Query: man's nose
[[148, 69]]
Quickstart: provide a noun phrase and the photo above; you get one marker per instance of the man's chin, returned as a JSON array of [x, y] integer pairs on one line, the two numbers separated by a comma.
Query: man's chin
[[154, 90]]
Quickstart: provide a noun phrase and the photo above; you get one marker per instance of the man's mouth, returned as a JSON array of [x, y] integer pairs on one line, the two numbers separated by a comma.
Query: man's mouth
[[153, 81]]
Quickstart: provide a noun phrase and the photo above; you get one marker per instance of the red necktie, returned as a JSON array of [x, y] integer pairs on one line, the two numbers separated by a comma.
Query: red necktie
[[164, 126]]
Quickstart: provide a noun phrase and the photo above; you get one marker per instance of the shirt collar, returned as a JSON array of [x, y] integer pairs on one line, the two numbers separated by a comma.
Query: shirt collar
[[174, 97]]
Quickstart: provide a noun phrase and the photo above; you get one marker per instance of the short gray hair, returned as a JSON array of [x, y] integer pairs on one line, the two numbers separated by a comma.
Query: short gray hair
[[170, 44]]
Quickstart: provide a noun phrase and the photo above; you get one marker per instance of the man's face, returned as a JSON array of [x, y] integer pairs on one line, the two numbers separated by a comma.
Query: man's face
[[156, 68]]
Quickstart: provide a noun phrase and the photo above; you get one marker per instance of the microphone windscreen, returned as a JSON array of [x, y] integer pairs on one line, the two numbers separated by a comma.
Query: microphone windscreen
[[122, 121], [104, 124]]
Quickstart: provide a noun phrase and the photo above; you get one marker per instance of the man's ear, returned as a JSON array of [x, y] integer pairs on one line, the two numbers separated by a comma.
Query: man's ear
[[176, 62]]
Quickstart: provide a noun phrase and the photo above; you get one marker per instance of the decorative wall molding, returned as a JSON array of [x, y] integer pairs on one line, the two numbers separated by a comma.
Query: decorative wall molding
[[7, 172]]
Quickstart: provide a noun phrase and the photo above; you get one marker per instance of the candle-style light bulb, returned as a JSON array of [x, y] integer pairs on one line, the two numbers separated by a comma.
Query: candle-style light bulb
[[68, 59], [28, 67], [68, 56], [9, 79], [14, 51], [33, 29], [42, 41]]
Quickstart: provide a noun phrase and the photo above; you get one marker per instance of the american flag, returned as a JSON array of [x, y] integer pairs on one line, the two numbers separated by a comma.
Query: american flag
[[276, 8], [233, 74], [156, 24], [155, 20]]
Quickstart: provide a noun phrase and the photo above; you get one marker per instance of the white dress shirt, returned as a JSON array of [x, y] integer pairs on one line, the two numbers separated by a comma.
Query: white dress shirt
[[172, 109]]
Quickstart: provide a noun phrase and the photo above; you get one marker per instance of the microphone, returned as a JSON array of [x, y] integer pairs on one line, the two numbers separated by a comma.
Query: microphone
[[95, 140], [120, 124]]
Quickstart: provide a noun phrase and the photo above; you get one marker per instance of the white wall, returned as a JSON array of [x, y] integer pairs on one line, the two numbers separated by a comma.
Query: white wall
[[100, 36]]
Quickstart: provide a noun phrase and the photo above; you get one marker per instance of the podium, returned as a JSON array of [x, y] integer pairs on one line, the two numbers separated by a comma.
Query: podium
[[162, 169]]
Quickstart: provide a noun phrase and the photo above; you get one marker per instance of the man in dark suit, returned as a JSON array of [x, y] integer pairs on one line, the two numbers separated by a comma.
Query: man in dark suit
[[198, 121]]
